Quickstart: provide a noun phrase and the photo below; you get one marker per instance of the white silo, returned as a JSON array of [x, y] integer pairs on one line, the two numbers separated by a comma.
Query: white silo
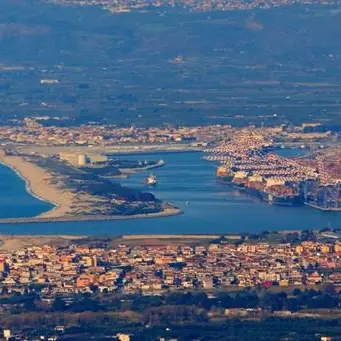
[[7, 333], [81, 160]]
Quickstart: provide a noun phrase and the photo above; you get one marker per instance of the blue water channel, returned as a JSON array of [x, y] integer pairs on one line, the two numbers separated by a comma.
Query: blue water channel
[[188, 182]]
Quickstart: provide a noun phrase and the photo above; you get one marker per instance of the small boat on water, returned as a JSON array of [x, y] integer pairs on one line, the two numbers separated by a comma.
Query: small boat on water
[[151, 180]]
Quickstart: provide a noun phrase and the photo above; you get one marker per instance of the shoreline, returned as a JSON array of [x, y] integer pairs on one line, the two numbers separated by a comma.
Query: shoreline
[[323, 209], [131, 171], [122, 150], [28, 187], [37, 185], [169, 212], [158, 151]]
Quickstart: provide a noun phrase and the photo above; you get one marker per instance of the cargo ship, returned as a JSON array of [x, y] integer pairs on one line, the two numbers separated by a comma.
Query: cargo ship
[[224, 175], [281, 199], [240, 180], [254, 184], [272, 190], [278, 192], [235, 179]]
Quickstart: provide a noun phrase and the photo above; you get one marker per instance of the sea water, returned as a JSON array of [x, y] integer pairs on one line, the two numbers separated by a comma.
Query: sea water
[[15, 200], [186, 181]]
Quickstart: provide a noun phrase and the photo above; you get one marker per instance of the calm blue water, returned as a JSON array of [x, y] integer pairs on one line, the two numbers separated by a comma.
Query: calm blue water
[[213, 208], [14, 200]]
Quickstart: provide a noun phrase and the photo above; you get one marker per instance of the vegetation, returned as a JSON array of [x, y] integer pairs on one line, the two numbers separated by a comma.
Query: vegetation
[[121, 68], [186, 316]]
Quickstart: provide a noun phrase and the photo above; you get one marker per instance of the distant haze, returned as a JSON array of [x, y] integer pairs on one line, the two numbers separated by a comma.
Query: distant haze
[[171, 66]]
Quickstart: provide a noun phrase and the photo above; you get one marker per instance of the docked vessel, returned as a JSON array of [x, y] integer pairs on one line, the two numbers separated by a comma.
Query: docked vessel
[[278, 192], [239, 180], [271, 189], [224, 175], [151, 180], [282, 200], [254, 184], [248, 166]]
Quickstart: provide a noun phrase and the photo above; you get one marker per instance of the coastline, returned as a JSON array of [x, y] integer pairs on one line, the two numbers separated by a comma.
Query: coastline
[[37, 183], [129, 171], [329, 209], [28, 185], [168, 212], [120, 150]]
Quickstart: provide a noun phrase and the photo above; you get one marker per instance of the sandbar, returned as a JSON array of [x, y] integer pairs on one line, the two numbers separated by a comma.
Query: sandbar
[[39, 183]]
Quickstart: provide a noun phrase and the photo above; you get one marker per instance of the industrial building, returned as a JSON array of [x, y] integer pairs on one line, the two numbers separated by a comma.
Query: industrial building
[[83, 160]]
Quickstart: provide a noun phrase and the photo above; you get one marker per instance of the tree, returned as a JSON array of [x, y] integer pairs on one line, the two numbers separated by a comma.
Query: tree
[[308, 235], [272, 301]]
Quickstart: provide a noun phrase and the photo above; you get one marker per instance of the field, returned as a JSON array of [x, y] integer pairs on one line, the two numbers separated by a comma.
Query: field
[[170, 67]]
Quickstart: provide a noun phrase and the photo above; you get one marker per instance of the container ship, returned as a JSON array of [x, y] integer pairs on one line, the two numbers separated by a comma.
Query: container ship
[[240, 180], [278, 192], [255, 185], [247, 165], [277, 198], [272, 190], [224, 175]]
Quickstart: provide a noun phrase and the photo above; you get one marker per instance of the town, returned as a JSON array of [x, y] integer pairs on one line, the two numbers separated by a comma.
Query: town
[[224, 275], [155, 268], [33, 131], [39, 131], [202, 6]]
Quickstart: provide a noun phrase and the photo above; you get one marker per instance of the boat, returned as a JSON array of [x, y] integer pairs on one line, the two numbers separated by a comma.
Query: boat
[[224, 175], [278, 193], [273, 190], [239, 180], [281, 200], [151, 180]]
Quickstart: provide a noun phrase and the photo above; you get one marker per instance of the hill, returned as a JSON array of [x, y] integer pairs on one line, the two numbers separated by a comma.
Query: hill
[[170, 66]]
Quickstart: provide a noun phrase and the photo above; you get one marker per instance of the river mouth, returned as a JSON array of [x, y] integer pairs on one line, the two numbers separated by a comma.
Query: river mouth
[[189, 183]]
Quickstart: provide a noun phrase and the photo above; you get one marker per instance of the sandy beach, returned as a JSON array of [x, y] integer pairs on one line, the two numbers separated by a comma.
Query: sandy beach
[[10, 243], [38, 183], [168, 212]]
